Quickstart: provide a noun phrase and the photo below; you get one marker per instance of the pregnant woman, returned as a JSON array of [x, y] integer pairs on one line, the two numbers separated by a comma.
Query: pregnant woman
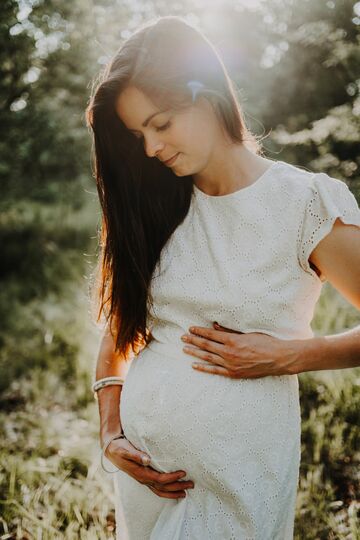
[[212, 260]]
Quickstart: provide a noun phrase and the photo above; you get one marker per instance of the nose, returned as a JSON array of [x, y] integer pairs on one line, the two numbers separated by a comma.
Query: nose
[[153, 146]]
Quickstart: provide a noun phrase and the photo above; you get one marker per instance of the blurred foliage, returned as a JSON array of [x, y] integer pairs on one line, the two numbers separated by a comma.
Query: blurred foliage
[[328, 496], [49, 467], [296, 68]]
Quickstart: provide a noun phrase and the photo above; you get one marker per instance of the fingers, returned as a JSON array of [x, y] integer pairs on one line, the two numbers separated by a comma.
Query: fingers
[[167, 485], [176, 486], [125, 455], [217, 370], [174, 495], [174, 490], [205, 345], [150, 476], [225, 329], [203, 342], [126, 450], [130, 460], [218, 336]]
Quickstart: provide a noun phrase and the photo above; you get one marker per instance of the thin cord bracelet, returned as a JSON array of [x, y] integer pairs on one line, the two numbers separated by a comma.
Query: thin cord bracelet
[[104, 448]]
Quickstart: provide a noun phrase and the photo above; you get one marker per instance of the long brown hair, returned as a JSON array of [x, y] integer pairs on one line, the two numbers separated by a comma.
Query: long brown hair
[[142, 200]]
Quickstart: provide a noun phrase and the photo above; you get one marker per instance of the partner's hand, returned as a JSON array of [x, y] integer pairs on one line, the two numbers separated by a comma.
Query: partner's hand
[[239, 355]]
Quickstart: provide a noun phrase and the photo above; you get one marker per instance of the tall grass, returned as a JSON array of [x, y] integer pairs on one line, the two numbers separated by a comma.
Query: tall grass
[[51, 485]]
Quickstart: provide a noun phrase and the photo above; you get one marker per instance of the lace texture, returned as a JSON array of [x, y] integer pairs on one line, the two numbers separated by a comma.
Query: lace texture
[[241, 260], [329, 199]]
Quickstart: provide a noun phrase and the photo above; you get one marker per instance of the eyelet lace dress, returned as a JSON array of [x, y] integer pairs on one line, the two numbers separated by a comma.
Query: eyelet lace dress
[[242, 260]]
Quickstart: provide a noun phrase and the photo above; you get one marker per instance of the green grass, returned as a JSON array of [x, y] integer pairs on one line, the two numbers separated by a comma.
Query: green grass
[[51, 482], [55, 487], [328, 496], [50, 473]]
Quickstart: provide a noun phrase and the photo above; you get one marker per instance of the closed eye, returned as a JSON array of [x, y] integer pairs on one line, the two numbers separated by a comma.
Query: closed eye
[[165, 126], [160, 128]]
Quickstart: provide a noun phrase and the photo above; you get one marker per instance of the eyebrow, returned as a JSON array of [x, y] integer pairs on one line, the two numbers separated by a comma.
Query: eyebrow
[[145, 123]]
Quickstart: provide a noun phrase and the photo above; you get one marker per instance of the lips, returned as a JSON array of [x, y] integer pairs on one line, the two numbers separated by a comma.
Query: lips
[[171, 160]]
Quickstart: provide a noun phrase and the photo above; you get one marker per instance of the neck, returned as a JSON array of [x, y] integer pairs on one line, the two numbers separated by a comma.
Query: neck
[[230, 168]]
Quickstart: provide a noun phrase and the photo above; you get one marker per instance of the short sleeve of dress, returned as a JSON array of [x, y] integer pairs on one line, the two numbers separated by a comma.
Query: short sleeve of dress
[[328, 199]]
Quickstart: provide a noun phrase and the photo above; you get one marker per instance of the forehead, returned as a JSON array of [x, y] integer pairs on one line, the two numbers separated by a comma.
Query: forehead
[[133, 107]]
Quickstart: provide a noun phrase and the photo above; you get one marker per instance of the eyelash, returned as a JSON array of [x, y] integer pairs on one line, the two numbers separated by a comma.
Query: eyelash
[[165, 126], [161, 128]]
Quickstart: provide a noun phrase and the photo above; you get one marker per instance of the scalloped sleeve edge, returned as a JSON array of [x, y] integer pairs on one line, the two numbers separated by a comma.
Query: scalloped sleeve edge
[[329, 199]]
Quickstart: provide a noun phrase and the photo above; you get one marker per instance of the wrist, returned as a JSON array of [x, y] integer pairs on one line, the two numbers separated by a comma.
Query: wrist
[[106, 435], [104, 448], [109, 411], [307, 354]]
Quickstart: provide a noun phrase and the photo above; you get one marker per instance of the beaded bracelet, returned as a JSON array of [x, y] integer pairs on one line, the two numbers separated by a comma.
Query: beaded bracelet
[[104, 448]]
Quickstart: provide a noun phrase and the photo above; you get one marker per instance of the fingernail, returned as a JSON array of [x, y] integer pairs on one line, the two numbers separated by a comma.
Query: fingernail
[[145, 459]]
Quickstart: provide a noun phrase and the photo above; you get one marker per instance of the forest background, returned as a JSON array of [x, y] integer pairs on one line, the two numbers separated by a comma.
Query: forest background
[[296, 65]]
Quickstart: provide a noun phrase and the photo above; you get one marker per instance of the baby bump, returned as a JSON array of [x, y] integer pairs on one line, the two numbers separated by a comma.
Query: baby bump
[[185, 418]]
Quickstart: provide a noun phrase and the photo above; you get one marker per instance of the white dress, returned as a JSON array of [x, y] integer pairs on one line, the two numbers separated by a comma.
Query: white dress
[[242, 260]]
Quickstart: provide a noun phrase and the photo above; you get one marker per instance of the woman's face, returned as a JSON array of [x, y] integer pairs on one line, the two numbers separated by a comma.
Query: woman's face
[[192, 133]]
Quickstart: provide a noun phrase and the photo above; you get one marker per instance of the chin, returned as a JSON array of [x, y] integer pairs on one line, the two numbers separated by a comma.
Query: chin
[[179, 173]]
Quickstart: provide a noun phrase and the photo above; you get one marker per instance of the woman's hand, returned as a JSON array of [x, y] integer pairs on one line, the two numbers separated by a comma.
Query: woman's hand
[[239, 355], [130, 460]]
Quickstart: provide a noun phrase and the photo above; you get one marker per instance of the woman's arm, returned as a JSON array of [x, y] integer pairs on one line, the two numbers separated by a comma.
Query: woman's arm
[[337, 256], [327, 352], [126, 457], [253, 355], [109, 363]]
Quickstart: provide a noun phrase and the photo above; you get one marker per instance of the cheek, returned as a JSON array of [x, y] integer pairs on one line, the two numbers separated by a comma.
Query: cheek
[[193, 135], [193, 141], [188, 133]]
